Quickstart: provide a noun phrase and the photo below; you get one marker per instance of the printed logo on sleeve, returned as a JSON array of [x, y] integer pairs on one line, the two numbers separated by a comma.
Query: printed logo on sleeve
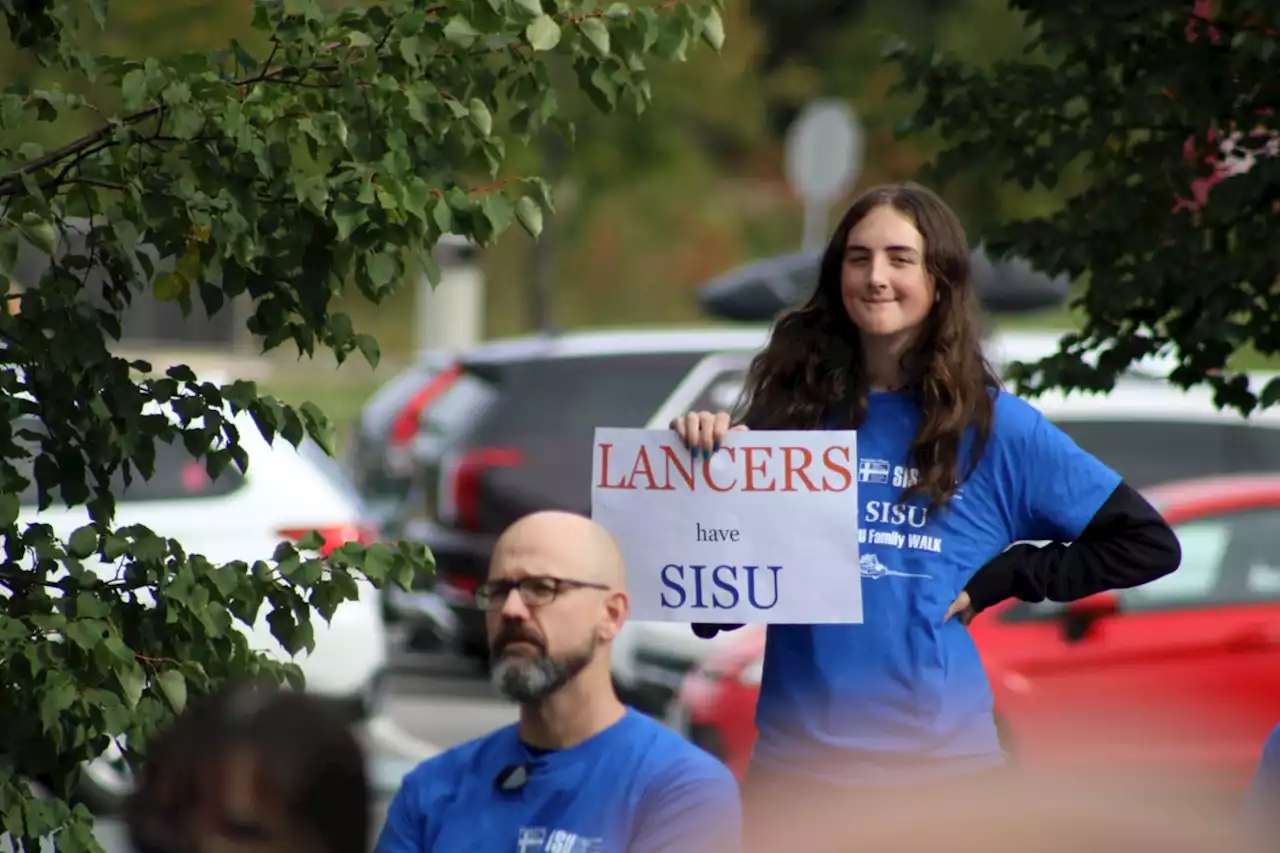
[[537, 839]]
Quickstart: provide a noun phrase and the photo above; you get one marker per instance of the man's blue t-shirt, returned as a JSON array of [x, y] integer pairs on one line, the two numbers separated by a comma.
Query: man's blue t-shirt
[[636, 787], [903, 698], [1262, 801]]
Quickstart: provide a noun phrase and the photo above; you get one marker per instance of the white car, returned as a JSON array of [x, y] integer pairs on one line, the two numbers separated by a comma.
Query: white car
[[284, 494], [1146, 429]]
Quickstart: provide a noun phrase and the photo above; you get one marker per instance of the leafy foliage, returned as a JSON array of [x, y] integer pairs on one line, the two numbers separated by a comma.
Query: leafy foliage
[[1167, 106], [360, 138]]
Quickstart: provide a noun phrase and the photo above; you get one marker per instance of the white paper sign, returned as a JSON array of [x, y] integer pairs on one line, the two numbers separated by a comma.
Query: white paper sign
[[764, 531]]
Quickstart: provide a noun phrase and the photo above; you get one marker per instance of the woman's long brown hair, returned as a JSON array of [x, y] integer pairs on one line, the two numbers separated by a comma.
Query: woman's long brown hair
[[813, 367]]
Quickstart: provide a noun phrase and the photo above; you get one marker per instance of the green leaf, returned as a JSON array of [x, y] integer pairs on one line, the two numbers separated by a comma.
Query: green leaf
[[382, 270], [132, 682], [114, 547], [597, 33], [9, 509], [531, 7], [348, 216], [170, 287], [133, 88], [529, 214], [377, 562], [460, 32], [88, 634], [481, 116], [713, 29], [312, 540], [39, 233], [320, 428], [83, 542], [543, 33], [174, 688], [369, 348], [499, 212], [57, 697]]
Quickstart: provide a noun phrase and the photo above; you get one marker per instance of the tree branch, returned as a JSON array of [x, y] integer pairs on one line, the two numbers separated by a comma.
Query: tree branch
[[98, 140]]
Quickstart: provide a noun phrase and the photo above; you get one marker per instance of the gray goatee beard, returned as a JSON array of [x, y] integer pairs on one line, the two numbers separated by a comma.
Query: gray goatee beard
[[526, 680]]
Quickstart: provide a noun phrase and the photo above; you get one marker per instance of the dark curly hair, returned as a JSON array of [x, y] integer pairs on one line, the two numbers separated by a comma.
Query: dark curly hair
[[255, 767], [813, 367]]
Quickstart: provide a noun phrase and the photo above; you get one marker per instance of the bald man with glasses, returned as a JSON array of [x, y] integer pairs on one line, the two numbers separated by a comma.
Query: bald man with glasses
[[580, 772]]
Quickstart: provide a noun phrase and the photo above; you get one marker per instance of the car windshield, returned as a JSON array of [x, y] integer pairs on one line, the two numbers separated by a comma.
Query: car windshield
[[178, 476]]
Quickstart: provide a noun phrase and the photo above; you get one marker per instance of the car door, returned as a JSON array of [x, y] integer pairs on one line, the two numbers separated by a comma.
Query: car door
[[1184, 678]]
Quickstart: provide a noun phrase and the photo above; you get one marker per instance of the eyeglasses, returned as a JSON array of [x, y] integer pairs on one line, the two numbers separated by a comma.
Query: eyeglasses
[[534, 592]]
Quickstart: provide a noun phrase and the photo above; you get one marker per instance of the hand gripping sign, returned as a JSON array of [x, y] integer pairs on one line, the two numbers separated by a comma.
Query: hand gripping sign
[[764, 531]]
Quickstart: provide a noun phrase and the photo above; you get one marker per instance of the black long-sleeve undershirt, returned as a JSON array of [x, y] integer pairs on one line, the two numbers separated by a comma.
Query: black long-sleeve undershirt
[[1126, 544]]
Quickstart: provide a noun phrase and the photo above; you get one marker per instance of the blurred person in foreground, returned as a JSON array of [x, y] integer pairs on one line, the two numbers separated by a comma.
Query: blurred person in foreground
[[1015, 815], [889, 344], [580, 772], [254, 769], [1262, 800]]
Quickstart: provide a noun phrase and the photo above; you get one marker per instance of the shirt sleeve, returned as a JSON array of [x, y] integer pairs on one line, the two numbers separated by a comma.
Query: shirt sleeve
[[1060, 486], [1126, 544], [690, 811]]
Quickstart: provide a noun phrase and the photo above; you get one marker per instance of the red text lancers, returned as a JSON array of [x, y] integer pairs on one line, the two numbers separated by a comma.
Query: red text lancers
[[719, 587]]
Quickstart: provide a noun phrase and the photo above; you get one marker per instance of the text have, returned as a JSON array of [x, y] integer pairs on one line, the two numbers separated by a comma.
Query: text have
[[753, 469], [715, 534]]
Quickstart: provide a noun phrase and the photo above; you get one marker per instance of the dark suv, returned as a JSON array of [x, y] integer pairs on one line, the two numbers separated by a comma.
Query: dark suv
[[512, 435]]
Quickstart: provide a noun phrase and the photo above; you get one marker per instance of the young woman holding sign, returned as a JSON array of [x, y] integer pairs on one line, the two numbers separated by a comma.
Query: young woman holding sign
[[889, 344]]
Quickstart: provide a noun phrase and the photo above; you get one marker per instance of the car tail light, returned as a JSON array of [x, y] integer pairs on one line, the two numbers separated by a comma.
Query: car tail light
[[335, 536], [464, 486], [406, 424], [466, 584]]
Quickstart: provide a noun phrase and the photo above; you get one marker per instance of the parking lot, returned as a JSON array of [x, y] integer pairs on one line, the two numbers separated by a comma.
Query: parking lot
[[437, 700]]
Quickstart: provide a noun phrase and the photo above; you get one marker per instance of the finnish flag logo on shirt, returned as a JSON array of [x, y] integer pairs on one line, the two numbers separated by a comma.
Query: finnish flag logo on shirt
[[873, 470]]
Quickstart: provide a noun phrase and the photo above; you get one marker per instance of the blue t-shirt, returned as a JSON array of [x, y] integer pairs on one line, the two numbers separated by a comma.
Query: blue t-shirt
[[1262, 800], [636, 787], [903, 698]]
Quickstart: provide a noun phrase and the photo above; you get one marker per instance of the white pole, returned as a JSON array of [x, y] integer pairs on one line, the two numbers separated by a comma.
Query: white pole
[[450, 316]]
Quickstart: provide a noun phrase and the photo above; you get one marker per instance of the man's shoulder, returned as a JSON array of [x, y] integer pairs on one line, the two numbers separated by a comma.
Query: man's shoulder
[[461, 759], [669, 757]]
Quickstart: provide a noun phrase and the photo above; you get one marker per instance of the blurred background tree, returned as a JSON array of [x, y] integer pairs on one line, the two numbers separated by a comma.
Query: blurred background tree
[[648, 210]]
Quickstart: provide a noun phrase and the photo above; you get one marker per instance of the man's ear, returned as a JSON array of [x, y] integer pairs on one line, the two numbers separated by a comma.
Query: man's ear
[[617, 608]]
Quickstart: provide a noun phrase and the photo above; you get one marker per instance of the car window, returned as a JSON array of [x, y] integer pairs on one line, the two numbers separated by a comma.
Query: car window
[[1226, 559], [178, 476], [459, 405], [722, 392], [386, 403], [573, 396], [1147, 452], [328, 468]]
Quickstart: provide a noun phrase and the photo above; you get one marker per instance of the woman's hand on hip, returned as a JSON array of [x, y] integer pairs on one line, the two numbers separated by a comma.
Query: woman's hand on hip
[[961, 608], [703, 430]]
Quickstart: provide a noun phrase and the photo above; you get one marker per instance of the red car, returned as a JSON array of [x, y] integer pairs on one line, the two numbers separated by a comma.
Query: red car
[[1178, 677]]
